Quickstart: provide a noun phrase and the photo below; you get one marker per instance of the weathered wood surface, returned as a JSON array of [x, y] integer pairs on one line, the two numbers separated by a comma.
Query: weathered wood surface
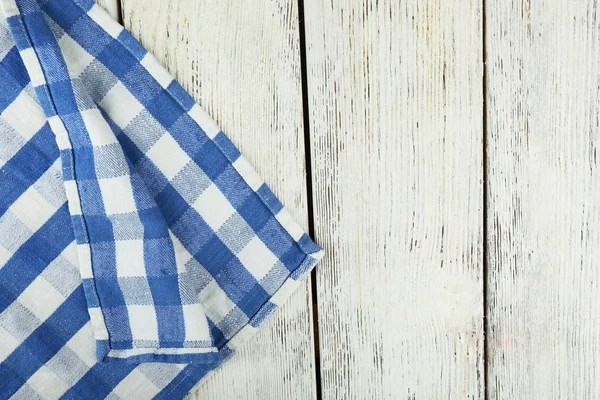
[[543, 101], [242, 63], [112, 7], [395, 94]]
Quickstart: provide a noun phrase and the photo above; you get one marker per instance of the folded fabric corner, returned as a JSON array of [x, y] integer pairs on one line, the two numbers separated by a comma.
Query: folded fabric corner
[[183, 250]]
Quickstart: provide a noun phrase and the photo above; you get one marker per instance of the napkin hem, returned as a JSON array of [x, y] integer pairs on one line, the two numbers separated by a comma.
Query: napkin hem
[[193, 378]]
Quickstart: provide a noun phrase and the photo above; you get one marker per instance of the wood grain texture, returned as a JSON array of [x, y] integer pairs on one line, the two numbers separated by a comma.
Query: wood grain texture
[[243, 66], [544, 212], [395, 94]]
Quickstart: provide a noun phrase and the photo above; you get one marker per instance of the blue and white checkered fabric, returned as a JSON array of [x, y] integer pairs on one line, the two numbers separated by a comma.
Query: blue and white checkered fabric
[[138, 248]]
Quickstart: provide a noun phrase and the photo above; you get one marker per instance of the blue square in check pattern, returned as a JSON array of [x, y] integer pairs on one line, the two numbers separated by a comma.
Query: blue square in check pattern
[[292, 257], [275, 237], [235, 280], [171, 327], [109, 292], [89, 35], [227, 147], [85, 168], [38, 28], [131, 44], [265, 311], [188, 134], [159, 257], [90, 197], [117, 323], [131, 151], [255, 212], [18, 31], [181, 95], [50, 54], [211, 160], [214, 255], [172, 204], [253, 300], [165, 290], [9, 93], [136, 290], [307, 245], [99, 228], [154, 223], [104, 259], [154, 179], [13, 72], [117, 58], [141, 84], [165, 109], [64, 99], [269, 198], [192, 230], [31, 161], [233, 186], [143, 199], [64, 12]]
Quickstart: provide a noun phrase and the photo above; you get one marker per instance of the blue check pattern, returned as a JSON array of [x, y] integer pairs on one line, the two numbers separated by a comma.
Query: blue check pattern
[[138, 248]]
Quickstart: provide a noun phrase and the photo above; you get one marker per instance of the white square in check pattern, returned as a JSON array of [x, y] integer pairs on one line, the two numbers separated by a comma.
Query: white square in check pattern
[[98, 129], [143, 322], [32, 200], [9, 344], [130, 258], [76, 57], [196, 325], [215, 302], [213, 207], [83, 345], [117, 195], [257, 258], [168, 156], [5, 255], [121, 105], [24, 115], [41, 298], [47, 383], [136, 386], [156, 70]]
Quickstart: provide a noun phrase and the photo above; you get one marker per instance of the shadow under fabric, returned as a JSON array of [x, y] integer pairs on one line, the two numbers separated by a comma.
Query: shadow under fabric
[[183, 251]]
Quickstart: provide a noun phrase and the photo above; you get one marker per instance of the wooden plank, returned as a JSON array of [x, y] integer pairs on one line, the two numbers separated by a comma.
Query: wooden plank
[[395, 93], [112, 7], [544, 212], [243, 65]]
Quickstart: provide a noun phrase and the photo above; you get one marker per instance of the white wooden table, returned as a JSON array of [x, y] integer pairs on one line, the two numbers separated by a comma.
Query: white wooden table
[[446, 156]]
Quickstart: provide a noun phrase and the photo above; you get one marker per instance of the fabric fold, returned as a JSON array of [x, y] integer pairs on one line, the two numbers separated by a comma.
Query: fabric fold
[[141, 304], [183, 250]]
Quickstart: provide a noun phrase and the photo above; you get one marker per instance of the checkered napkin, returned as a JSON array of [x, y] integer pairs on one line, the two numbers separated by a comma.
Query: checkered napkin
[[138, 248]]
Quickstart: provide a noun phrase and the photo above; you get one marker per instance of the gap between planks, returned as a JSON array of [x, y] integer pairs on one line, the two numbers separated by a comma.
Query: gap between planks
[[309, 193]]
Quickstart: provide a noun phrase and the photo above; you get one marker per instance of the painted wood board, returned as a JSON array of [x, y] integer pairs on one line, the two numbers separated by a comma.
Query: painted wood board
[[243, 66], [543, 101], [112, 7], [395, 101]]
